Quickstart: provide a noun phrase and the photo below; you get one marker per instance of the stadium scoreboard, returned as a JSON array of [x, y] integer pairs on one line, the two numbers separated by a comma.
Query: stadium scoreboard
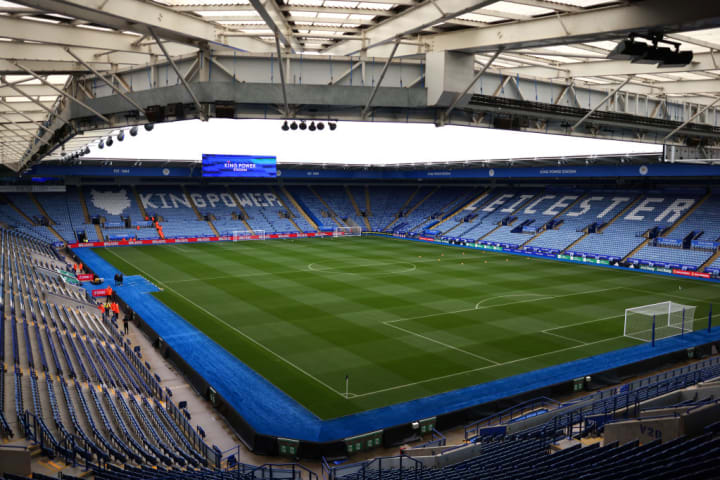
[[223, 166]]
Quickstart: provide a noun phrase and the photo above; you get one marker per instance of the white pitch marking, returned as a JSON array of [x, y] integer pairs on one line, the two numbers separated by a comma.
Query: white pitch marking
[[583, 323], [483, 368], [562, 336], [511, 295], [442, 343], [548, 297], [499, 305], [342, 394]]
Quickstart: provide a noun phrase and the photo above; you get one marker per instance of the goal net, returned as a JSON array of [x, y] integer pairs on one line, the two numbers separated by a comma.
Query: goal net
[[242, 235], [347, 232], [667, 319]]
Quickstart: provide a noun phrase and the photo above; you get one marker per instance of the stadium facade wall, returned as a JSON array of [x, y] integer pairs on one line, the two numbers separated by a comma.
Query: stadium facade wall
[[666, 170]]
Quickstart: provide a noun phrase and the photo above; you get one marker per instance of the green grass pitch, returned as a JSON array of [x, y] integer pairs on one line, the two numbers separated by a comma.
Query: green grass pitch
[[403, 319]]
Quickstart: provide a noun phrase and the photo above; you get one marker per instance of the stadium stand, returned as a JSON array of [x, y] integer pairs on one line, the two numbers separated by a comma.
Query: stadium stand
[[591, 212], [646, 218], [174, 211], [340, 205], [386, 203], [110, 406], [662, 228], [267, 210], [545, 439], [533, 218], [488, 215], [79, 391], [118, 212]]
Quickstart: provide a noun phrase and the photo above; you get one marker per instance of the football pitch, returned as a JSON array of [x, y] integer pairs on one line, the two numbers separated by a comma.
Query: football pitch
[[401, 319]]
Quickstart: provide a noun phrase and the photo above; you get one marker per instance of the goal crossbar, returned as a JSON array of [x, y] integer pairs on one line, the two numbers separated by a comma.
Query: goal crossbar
[[243, 235], [658, 320], [354, 231]]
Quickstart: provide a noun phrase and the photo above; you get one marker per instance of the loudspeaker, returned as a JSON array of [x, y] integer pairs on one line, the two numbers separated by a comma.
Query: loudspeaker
[[155, 113]]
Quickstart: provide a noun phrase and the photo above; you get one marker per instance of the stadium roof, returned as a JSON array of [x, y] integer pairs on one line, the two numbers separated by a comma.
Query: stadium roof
[[50, 49]]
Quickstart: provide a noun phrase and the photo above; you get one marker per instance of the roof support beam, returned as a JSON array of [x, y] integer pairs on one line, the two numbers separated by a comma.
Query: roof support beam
[[138, 16], [34, 90], [31, 133], [271, 14], [107, 82], [380, 79], [281, 67], [347, 72], [547, 4], [408, 22], [419, 79], [48, 33], [701, 62], [602, 102], [99, 58], [591, 25], [39, 104], [689, 120], [470, 85], [10, 145], [180, 76], [65, 94]]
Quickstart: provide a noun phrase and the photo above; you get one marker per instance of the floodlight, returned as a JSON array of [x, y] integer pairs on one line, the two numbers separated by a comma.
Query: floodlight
[[149, 127], [677, 59], [109, 142], [312, 126], [628, 50], [302, 125], [293, 126], [133, 131], [285, 126], [121, 136], [101, 145], [320, 125], [652, 55], [332, 125]]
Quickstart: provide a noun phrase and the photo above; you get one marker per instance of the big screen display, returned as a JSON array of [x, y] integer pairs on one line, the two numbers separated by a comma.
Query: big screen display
[[214, 165]]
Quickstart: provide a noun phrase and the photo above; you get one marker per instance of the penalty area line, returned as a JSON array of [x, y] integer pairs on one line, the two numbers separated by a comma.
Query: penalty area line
[[472, 370], [280, 357], [446, 345]]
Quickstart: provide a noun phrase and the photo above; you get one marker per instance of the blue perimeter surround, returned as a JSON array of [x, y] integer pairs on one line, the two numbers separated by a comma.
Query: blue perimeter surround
[[259, 402]]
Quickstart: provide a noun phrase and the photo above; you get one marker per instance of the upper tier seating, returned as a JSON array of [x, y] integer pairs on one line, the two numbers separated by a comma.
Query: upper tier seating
[[175, 209], [269, 211], [496, 206], [704, 221], [532, 217], [385, 204], [597, 207], [430, 205], [337, 199], [653, 211]]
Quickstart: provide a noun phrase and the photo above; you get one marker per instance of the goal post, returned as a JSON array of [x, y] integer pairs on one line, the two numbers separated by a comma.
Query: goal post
[[242, 235], [658, 320], [347, 231]]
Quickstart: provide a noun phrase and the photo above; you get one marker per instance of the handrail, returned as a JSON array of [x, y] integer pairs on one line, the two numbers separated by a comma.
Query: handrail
[[506, 415], [368, 465], [661, 383]]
